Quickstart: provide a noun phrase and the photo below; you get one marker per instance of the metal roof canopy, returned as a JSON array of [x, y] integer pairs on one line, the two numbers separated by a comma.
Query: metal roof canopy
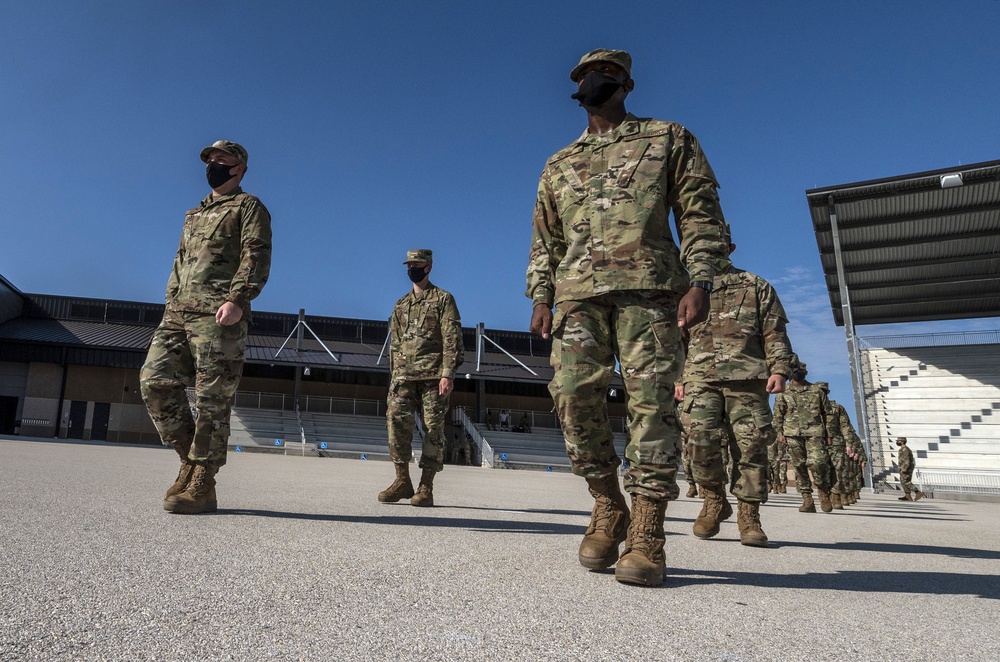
[[916, 247], [924, 246]]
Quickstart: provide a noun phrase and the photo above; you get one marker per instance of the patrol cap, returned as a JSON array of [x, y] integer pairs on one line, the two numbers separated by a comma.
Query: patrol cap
[[797, 365], [621, 58], [727, 233], [419, 255], [229, 147], [901, 440]]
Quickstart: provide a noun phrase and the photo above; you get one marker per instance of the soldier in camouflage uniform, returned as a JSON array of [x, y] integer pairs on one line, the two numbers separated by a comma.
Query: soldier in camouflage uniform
[[602, 253], [777, 456], [425, 350], [801, 416], [736, 358], [906, 467], [841, 434], [856, 464], [222, 263]]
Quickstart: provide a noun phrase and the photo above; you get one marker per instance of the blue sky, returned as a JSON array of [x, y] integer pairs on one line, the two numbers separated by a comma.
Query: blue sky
[[381, 126]]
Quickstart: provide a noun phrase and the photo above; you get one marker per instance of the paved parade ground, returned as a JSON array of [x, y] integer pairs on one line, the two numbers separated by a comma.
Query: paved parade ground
[[301, 562]]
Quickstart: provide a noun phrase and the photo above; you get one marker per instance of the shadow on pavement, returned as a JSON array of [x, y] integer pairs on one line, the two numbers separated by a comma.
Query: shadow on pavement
[[933, 583], [893, 548], [483, 525]]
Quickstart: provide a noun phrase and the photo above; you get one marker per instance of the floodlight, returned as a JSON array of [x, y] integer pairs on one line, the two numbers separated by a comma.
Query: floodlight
[[948, 181]]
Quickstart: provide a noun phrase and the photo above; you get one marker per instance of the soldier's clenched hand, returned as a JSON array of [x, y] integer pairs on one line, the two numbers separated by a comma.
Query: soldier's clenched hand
[[693, 308], [228, 313], [776, 384], [541, 321]]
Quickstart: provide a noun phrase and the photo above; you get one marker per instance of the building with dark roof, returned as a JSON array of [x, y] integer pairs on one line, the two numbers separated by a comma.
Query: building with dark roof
[[69, 366]]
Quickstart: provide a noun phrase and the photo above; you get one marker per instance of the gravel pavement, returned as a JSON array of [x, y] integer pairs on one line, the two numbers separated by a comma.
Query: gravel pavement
[[302, 563]]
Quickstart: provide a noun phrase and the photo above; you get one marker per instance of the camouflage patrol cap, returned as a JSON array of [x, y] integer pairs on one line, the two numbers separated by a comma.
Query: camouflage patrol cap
[[229, 147], [621, 58], [797, 365], [419, 255], [901, 440], [727, 233]]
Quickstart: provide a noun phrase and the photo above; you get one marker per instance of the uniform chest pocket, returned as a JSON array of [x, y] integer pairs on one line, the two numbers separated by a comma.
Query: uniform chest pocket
[[626, 164], [569, 186], [226, 226]]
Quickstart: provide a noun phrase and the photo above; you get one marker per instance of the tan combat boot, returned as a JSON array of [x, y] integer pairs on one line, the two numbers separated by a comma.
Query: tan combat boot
[[198, 495], [401, 488], [424, 496], [918, 496], [643, 562], [905, 497], [714, 511], [808, 506], [835, 501], [748, 519], [692, 491], [824, 501], [784, 488], [609, 522], [184, 475]]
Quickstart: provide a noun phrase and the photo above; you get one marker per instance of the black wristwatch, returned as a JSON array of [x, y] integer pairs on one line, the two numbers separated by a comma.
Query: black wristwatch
[[703, 284]]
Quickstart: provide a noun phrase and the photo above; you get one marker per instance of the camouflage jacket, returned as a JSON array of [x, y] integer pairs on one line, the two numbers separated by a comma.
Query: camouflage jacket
[[426, 336], [841, 432], [802, 411], [858, 449], [224, 255], [601, 217], [905, 459], [744, 336]]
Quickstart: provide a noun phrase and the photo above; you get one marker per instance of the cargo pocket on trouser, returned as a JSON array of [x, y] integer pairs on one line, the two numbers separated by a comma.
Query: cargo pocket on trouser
[[649, 352]]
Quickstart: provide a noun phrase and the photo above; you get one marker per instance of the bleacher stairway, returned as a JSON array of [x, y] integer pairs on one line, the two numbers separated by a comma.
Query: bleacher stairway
[[945, 400]]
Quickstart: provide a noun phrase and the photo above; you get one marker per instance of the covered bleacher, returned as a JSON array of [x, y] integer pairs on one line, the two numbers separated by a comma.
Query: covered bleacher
[[920, 247]]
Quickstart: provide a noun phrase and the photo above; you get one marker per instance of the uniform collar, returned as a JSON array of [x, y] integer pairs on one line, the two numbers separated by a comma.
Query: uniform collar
[[629, 126], [421, 295], [212, 198]]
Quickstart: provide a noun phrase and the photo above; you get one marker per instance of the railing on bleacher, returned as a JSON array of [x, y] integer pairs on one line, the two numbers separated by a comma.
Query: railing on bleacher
[[310, 403], [461, 419], [961, 482]]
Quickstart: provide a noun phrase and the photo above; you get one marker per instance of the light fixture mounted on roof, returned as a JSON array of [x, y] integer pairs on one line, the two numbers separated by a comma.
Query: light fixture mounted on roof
[[955, 179]]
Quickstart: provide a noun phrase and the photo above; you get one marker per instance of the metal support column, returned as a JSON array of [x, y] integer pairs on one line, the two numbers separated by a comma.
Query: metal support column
[[860, 406]]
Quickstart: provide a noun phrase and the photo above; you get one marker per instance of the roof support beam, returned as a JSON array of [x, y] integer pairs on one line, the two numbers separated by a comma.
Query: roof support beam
[[860, 407]]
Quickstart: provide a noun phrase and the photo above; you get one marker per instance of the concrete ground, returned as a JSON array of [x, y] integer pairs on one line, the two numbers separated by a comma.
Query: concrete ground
[[302, 563]]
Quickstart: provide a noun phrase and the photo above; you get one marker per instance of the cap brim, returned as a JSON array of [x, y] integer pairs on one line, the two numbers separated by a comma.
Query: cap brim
[[574, 75], [212, 148]]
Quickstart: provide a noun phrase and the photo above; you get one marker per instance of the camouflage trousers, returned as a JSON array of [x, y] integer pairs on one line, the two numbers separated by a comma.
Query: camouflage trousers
[[777, 457], [906, 481], [191, 349], [686, 460], [809, 453], [857, 474], [640, 329], [838, 468], [736, 416], [405, 399]]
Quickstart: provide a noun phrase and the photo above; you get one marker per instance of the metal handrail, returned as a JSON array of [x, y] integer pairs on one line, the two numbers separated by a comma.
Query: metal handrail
[[460, 417]]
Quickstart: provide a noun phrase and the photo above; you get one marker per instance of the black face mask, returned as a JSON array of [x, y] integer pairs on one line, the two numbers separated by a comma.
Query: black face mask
[[416, 274], [218, 174], [596, 88], [799, 376]]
